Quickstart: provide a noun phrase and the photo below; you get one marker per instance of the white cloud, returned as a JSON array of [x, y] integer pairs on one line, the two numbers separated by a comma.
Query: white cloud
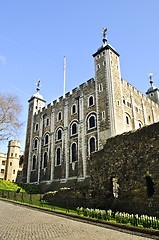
[[3, 59]]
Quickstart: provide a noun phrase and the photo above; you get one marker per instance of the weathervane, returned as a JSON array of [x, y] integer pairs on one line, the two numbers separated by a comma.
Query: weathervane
[[38, 85], [150, 77], [104, 35]]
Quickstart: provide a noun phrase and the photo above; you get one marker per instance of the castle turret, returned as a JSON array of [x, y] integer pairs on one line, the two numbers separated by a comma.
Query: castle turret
[[36, 103], [108, 85], [153, 92]]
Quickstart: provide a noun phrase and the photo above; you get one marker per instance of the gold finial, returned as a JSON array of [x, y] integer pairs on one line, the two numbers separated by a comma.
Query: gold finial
[[104, 35]]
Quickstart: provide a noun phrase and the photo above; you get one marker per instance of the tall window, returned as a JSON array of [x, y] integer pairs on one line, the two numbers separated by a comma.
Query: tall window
[[46, 139], [58, 156], [74, 128], [59, 116], [36, 127], [36, 143], [47, 122], [91, 101], [45, 160], [74, 109], [92, 144], [100, 87], [127, 120], [34, 162], [91, 122], [59, 134], [74, 152]]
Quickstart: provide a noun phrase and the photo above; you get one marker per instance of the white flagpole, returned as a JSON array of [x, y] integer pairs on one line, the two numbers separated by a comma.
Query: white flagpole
[[64, 77]]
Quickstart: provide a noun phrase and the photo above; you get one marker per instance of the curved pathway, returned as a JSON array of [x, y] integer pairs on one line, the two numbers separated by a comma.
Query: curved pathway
[[22, 223]]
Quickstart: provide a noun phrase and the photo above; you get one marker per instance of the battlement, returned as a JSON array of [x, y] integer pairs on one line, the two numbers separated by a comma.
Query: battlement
[[14, 143], [135, 91], [82, 87]]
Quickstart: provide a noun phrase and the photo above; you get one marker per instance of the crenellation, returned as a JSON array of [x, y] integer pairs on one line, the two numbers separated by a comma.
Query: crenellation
[[82, 86], [74, 90]]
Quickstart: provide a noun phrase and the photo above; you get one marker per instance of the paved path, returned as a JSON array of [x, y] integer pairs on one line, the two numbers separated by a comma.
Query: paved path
[[22, 223]]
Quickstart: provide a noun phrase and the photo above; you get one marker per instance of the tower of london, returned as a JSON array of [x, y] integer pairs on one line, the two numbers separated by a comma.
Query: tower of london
[[62, 134]]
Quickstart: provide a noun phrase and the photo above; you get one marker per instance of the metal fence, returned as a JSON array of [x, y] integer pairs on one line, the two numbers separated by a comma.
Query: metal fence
[[150, 209]]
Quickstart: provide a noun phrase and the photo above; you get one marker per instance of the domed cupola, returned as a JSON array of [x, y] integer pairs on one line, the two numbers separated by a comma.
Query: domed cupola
[[153, 92], [37, 101]]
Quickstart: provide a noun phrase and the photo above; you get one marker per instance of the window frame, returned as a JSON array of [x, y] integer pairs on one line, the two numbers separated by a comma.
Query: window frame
[[90, 128], [45, 160], [73, 112], [71, 152], [59, 114], [33, 163], [74, 124], [56, 163], [90, 97], [89, 144]]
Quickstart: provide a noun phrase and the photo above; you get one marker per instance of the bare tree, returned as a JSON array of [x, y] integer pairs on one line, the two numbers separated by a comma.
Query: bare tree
[[10, 109]]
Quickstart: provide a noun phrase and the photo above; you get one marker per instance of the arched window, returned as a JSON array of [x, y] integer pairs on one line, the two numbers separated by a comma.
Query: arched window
[[47, 122], [91, 122], [127, 120], [92, 144], [36, 127], [34, 162], [140, 125], [36, 143], [91, 101], [58, 156], [74, 128], [46, 139], [45, 160], [59, 116], [74, 109], [59, 134], [74, 152]]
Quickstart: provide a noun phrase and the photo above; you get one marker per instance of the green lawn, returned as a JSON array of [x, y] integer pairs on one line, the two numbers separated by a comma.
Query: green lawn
[[11, 186]]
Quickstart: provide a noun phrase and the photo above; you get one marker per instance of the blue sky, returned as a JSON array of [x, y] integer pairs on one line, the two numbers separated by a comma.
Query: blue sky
[[35, 35]]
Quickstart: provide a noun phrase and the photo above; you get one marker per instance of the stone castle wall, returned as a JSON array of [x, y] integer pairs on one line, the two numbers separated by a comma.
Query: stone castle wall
[[126, 170]]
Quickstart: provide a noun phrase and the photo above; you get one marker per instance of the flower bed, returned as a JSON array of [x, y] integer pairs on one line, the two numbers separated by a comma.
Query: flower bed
[[119, 217]]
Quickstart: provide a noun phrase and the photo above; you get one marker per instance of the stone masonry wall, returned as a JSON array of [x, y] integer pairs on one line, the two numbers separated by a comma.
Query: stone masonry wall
[[132, 159]]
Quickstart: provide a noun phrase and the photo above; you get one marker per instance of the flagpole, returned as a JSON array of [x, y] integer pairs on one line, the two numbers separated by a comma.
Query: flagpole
[[64, 77]]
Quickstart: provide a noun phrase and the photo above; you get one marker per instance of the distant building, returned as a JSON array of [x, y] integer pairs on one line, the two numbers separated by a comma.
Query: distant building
[[11, 164], [62, 135], [3, 160]]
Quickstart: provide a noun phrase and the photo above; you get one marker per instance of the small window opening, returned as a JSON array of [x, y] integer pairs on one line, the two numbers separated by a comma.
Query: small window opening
[[92, 144], [58, 156], [59, 116], [74, 128], [47, 121], [34, 162], [36, 127], [91, 122], [127, 120], [59, 134], [46, 139], [150, 186], [73, 109], [91, 102], [74, 153], [45, 159]]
